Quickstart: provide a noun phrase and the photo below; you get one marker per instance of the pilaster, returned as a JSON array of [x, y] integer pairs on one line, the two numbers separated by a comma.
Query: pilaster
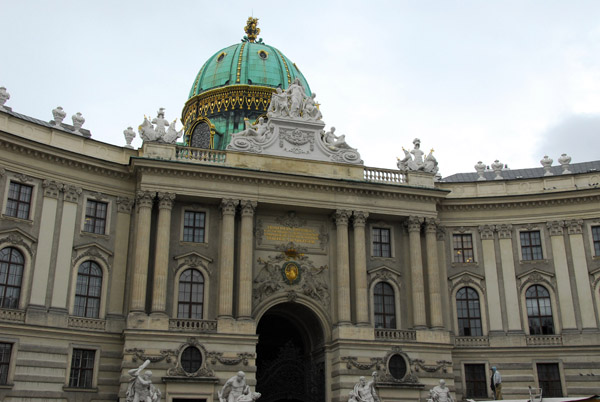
[[161, 257], [435, 298], [228, 207], [509, 277], [246, 241], [361, 296], [416, 272], [490, 269], [342, 269], [144, 201], [119, 269]]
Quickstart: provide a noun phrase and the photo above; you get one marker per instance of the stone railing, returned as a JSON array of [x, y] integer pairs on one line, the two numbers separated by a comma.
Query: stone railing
[[388, 176], [87, 323], [471, 341], [544, 340], [12, 315], [396, 334], [182, 324], [200, 155]]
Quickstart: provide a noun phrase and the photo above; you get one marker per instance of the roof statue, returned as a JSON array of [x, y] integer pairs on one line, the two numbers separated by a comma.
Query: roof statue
[[252, 31], [294, 129], [4, 96], [157, 129], [59, 115], [413, 160]]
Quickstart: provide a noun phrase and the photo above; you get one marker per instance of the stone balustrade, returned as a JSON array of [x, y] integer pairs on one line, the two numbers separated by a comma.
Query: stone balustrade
[[200, 155], [188, 325], [396, 334], [87, 323], [389, 176], [12, 315], [544, 340], [471, 341]]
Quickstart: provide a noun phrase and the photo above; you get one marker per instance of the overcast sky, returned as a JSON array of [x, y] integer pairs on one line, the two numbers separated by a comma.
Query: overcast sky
[[475, 80]]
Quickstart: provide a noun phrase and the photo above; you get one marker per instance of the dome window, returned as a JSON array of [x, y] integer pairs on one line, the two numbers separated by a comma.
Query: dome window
[[221, 57], [263, 55]]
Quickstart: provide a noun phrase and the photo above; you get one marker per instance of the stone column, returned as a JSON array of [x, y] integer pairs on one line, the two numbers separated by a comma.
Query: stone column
[[584, 292], [68, 226], [443, 279], [561, 269], [45, 238], [361, 295], [246, 246], [144, 201], [342, 269], [161, 256], [491, 277], [228, 207], [416, 272], [433, 274], [119, 269], [511, 296]]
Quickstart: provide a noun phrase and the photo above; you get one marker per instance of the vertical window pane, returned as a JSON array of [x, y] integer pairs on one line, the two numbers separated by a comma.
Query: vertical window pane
[[11, 274], [95, 217], [88, 290], [531, 245], [468, 312], [193, 226], [475, 380], [384, 306], [82, 368], [539, 310], [596, 240], [191, 294], [381, 242], [463, 248], [5, 352], [549, 380], [18, 202]]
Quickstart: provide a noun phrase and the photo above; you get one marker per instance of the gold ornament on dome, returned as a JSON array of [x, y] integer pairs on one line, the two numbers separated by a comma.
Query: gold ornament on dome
[[251, 29]]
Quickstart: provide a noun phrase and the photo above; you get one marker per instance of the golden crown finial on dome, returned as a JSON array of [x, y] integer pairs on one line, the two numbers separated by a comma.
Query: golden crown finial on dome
[[251, 29]]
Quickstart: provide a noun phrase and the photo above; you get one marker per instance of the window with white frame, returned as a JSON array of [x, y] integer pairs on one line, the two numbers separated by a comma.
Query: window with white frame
[[5, 353], [596, 240], [382, 243], [531, 245], [468, 312], [194, 226], [462, 244], [95, 217], [191, 294], [385, 306], [82, 368], [88, 290], [11, 275], [539, 310], [18, 202]]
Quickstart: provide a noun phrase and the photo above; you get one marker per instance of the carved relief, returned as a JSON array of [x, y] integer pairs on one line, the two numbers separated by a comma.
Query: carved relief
[[575, 226], [384, 274], [297, 138], [93, 251], [18, 238], [144, 199], [386, 376], [414, 223], [341, 217], [555, 228], [352, 361], [72, 193], [193, 260], [240, 358], [23, 178], [178, 370], [359, 218], [291, 220], [504, 231], [536, 277], [228, 206], [140, 355], [431, 225], [166, 200], [248, 207], [441, 233], [124, 205], [486, 232]]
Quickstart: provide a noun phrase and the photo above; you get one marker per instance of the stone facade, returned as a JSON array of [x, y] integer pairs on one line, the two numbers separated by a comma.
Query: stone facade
[[276, 237]]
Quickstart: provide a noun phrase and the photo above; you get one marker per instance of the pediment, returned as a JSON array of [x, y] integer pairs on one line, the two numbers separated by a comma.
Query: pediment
[[536, 276], [193, 256], [18, 237], [93, 250], [467, 279]]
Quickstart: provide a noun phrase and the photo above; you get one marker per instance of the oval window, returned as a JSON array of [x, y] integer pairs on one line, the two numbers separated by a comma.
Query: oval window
[[191, 359], [221, 57], [263, 55], [397, 367]]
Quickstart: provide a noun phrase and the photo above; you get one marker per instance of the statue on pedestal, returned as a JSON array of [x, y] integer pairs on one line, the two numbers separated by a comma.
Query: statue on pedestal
[[440, 393], [236, 390], [258, 131], [334, 142], [160, 122], [414, 160], [364, 391], [140, 387]]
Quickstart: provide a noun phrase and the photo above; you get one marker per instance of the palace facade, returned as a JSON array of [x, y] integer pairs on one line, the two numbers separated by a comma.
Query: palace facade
[[303, 272]]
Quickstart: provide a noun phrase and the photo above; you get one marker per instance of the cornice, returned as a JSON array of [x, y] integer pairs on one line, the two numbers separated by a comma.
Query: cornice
[[285, 180], [574, 197], [69, 159]]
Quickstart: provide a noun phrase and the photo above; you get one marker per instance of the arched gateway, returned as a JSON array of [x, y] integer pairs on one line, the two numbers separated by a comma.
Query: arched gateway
[[290, 355]]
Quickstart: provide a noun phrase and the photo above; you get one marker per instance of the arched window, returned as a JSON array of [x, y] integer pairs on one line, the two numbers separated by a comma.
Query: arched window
[[11, 275], [201, 136], [385, 306], [468, 312], [88, 290], [539, 311], [191, 294]]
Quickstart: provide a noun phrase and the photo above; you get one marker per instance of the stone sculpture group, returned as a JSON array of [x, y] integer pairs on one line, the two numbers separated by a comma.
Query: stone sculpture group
[[294, 103], [364, 391], [236, 390], [414, 160], [156, 130], [140, 387]]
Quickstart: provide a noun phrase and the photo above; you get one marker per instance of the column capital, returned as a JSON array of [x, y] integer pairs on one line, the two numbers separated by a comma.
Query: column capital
[[341, 217], [166, 200], [575, 226], [124, 205], [504, 231], [228, 206], [555, 227], [486, 232], [359, 218], [145, 198], [414, 223], [51, 188], [72, 193], [431, 225], [248, 207], [441, 233]]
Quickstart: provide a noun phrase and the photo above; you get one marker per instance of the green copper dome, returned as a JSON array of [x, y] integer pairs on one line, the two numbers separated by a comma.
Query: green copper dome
[[247, 63], [234, 85]]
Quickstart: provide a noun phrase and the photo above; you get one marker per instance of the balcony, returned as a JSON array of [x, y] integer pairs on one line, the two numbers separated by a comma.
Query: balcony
[[471, 341], [396, 334], [187, 325], [87, 323], [544, 340], [12, 315]]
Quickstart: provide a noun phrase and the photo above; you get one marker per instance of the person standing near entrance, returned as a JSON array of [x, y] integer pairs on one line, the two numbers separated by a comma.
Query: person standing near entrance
[[496, 383]]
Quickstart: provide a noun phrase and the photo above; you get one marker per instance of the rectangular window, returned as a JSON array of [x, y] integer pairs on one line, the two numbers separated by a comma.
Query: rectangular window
[[193, 226], [549, 380], [5, 351], [596, 240], [463, 247], [381, 243], [82, 368], [531, 246], [475, 381], [95, 217], [18, 202]]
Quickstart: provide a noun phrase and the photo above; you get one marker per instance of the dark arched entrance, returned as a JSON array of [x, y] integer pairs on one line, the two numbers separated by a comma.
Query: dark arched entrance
[[290, 355]]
